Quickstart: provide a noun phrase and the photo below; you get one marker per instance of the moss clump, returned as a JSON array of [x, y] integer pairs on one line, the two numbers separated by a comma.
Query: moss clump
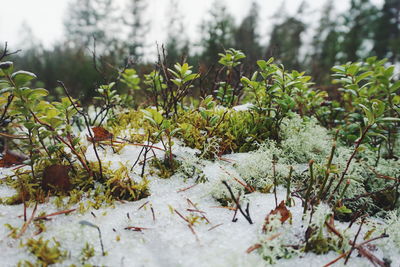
[[122, 187], [87, 253], [319, 243], [165, 168], [45, 253]]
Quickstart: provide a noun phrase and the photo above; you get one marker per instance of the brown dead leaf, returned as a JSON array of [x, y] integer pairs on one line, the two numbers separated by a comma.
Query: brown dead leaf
[[11, 158], [56, 177], [282, 210], [101, 134]]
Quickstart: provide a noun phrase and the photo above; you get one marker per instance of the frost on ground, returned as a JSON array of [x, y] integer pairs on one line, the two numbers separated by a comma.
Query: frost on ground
[[181, 223]]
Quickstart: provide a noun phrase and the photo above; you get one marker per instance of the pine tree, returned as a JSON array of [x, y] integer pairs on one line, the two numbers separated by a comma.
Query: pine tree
[[177, 44], [89, 20], [387, 31], [325, 46], [285, 39], [359, 20], [138, 27], [246, 36], [217, 33]]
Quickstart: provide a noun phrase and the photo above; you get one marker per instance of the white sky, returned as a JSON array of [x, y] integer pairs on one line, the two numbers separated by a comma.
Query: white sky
[[45, 17]]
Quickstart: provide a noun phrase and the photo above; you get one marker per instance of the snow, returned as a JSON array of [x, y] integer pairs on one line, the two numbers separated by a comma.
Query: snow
[[167, 239], [243, 107]]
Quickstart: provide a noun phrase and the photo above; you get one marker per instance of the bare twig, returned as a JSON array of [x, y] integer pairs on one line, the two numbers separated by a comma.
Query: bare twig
[[25, 226], [5, 52], [358, 143], [246, 214], [87, 126], [354, 241], [215, 226]]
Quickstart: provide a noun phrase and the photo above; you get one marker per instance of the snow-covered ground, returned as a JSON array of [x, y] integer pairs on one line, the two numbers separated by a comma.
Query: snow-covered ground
[[166, 239]]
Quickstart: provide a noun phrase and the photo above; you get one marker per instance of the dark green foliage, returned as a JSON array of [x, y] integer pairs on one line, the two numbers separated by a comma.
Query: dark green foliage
[[91, 20], [138, 28], [285, 42], [217, 33], [177, 44], [326, 45], [359, 21], [246, 35], [387, 31]]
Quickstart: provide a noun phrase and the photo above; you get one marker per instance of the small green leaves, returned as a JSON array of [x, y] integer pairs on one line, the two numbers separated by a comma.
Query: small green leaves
[[153, 116], [231, 58], [343, 209], [21, 77], [375, 111], [6, 67], [394, 87], [182, 74], [37, 93], [131, 79], [368, 112]]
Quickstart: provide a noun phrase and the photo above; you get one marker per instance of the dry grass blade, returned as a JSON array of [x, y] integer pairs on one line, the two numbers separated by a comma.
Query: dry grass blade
[[248, 187], [215, 226], [185, 189], [26, 224], [45, 217]]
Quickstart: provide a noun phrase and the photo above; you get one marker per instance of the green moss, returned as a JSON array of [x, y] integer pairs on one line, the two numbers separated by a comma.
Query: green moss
[[164, 168], [87, 253], [47, 252]]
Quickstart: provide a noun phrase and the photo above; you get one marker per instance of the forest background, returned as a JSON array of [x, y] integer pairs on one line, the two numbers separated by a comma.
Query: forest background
[[101, 37]]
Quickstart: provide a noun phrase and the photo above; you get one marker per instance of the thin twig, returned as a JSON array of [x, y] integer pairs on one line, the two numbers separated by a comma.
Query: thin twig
[[245, 215], [354, 241], [87, 126], [25, 226], [44, 217]]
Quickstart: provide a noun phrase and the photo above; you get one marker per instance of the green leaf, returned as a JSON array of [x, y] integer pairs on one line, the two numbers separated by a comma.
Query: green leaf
[[165, 124], [175, 131], [369, 114], [378, 107], [396, 100], [21, 77], [6, 67], [339, 69], [344, 209], [39, 92], [214, 119], [352, 69], [270, 60], [394, 87], [191, 77], [5, 90], [364, 75], [389, 119], [262, 64], [245, 81], [158, 118]]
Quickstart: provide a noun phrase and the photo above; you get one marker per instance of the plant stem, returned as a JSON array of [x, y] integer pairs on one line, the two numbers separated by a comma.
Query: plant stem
[[288, 200], [358, 143], [327, 171], [310, 185]]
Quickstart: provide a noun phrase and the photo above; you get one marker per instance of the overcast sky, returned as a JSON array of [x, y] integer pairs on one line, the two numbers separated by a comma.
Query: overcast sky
[[45, 17]]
